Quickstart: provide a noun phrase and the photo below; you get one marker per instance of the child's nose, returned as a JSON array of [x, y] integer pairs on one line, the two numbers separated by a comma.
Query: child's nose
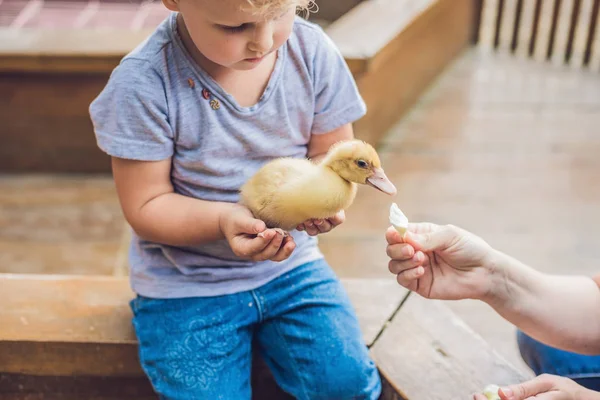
[[262, 40]]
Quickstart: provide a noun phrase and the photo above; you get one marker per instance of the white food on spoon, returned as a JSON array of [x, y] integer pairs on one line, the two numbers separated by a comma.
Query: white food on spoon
[[398, 219]]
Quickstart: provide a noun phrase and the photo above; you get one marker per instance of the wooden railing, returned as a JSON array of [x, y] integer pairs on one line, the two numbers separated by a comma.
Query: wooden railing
[[563, 32]]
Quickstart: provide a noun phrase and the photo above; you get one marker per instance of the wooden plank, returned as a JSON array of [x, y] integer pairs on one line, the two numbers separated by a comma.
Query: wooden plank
[[94, 50], [333, 9], [487, 30], [561, 38], [46, 125], [525, 28], [544, 30], [67, 325], [57, 224], [582, 31], [429, 353], [68, 337], [359, 256], [399, 74], [65, 308], [507, 26], [49, 80], [121, 267], [375, 301], [364, 32], [595, 46], [28, 387], [69, 358], [46, 50], [99, 51]]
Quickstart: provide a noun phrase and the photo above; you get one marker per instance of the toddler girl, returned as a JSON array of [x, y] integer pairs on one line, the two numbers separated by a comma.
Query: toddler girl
[[219, 89]]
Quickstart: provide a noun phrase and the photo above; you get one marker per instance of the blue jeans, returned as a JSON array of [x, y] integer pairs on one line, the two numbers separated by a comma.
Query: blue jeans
[[302, 323], [543, 359]]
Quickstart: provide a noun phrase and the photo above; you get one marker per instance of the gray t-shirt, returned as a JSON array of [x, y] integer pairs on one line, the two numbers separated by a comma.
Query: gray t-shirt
[[157, 104]]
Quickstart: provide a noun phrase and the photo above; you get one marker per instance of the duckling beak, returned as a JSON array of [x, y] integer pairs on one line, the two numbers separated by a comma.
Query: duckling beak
[[381, 182]]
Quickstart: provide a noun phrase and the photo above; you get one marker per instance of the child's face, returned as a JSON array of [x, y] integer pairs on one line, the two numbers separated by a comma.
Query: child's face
[[227, 33]]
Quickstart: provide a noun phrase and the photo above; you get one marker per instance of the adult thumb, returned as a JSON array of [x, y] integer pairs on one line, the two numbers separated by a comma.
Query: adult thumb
[[438, 240]]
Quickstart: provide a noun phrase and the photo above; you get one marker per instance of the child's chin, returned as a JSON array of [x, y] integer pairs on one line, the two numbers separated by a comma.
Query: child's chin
[[245, 65]]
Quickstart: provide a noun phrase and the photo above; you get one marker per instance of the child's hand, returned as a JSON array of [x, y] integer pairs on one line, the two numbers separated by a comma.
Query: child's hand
[[440, 262], [316, 226], [240, 228]]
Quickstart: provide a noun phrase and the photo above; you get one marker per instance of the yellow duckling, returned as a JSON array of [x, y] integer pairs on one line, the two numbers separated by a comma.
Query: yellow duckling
[[289, 191]]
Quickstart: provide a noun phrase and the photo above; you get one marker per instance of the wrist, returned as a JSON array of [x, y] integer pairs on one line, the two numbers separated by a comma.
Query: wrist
[[588, 394], [497, 268], [224, 217], [512, 283]]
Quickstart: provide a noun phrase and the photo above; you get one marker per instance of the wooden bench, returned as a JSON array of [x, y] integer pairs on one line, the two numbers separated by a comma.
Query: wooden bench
[[48, 78], [70, 337]]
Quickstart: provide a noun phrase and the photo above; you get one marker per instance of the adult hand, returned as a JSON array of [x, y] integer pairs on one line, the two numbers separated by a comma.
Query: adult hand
[[545, 387], [440, 262]]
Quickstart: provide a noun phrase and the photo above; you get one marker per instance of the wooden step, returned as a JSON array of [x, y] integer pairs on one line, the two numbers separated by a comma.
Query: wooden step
[[57, 224], [49, 77], [68, 337]]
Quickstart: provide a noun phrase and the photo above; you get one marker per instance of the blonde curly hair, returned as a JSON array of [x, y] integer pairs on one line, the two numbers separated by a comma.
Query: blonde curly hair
[[269, 7]]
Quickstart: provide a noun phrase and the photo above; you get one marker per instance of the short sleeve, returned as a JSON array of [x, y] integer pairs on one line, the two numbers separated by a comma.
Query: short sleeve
[[337, 99], [130, 115]]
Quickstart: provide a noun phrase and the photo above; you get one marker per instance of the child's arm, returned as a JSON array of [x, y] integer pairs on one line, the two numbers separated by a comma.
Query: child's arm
[[319, 144], [159, 215]]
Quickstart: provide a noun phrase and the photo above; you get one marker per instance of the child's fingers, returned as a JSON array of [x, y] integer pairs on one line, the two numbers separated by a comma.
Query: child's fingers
[[408, 278], [400, 252], [247, 247], [338, 218], [325, 226], [287, 247], [311, 229], [479, 396], [300, 227], [397, 267], [270, 249]]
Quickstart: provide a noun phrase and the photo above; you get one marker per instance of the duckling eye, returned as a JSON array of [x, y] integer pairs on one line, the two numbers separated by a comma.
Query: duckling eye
[[362, 163]]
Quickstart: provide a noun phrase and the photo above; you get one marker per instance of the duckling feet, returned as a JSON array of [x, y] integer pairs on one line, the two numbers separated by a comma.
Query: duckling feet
[[281, 231], [278, 230]]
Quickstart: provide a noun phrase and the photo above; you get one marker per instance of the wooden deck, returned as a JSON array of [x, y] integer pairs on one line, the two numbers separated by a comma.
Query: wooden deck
[[507, 148]]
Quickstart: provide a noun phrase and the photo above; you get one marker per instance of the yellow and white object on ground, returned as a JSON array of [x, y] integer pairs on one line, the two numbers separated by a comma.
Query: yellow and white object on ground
[[491, 392]]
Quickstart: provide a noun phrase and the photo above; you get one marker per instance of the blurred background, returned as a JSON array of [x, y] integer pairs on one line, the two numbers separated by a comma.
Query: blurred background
[[486, 115]]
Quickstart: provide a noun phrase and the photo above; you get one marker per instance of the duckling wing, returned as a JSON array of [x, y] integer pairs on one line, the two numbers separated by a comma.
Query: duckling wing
[[262, 193]]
